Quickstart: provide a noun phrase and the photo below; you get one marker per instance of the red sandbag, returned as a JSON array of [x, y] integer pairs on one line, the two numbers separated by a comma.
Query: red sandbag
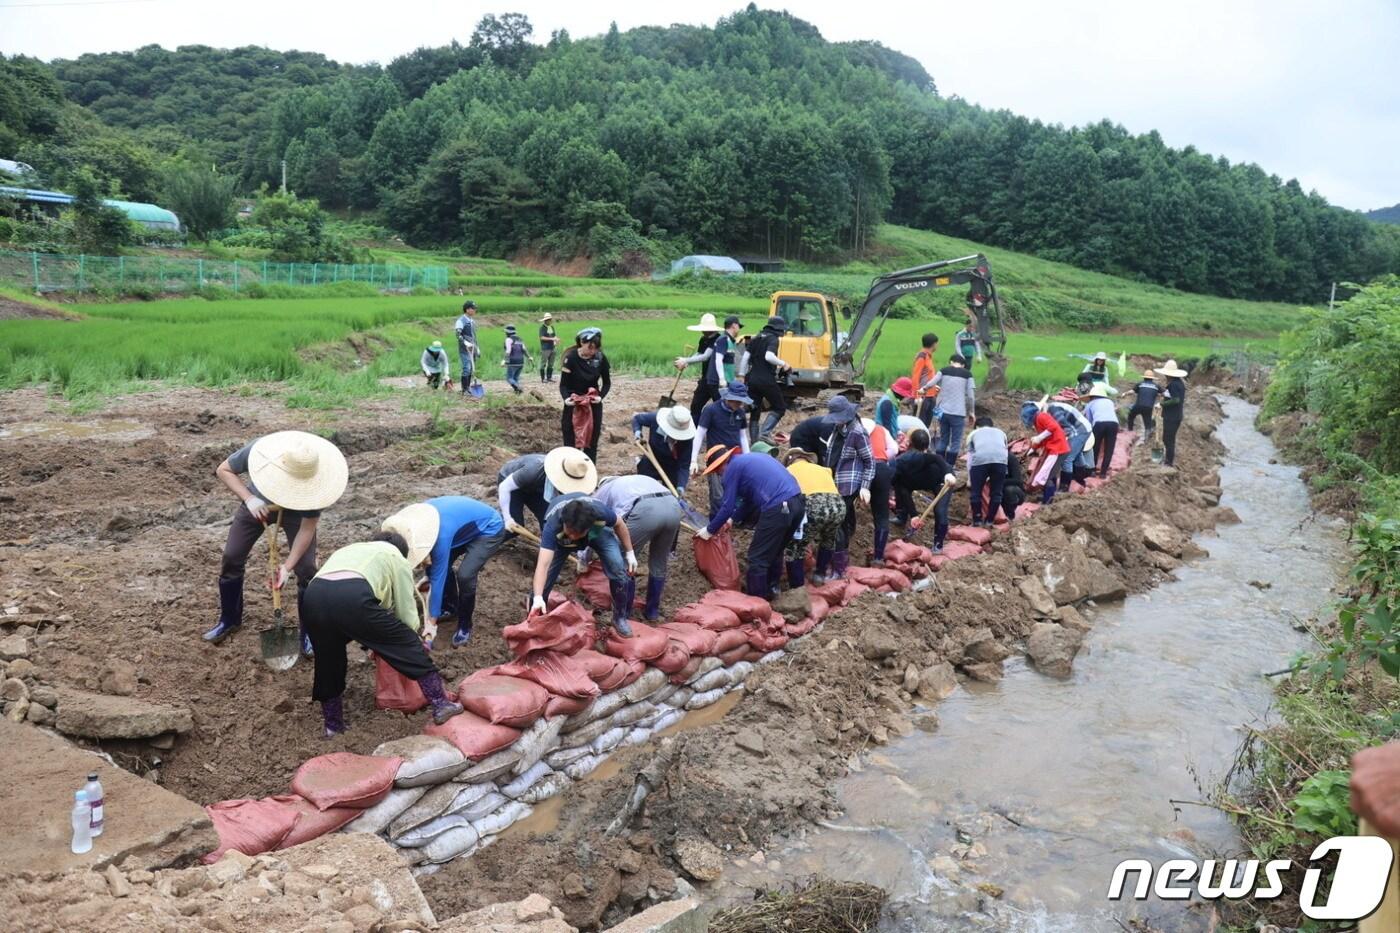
[[753, 655], [798, 629], [558, 673], [393, 690], [634, 669], [566, 629], [555, 600], [697, 640], [937, 563], [747, 608], [1122, 456], [687, 672], [718, 560], [250, 826], [956, 550], [601, 667], [877, 577], [343, 779], [730, 639], [312, 823], [505, 701], [647, 642], [593, 583], [854, 588], [735, 655], [905, 552], [673, 659], [473, 736], [775, 625], [768, 641], [833, 591], [582, 418], [820, 609], [979, 536], [709, 616], [564, 706]]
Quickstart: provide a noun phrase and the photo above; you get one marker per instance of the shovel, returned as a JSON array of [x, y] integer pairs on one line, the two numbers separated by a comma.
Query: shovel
[[526, 534], [476, 389], [690, 513], [1159, 452], [669, 399], [928, 509], [281, 646]]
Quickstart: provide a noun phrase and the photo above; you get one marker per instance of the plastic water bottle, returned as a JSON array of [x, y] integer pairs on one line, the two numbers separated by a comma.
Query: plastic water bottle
[[93, 789], [82, 824]]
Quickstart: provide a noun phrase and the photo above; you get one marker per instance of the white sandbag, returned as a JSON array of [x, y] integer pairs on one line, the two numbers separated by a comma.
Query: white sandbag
[[455, 843], [632, 713], [584, 736], [702, 700], [667, 720], [469, 794], [770, 657], [638, 736], [490, 767], [412, 857], [427, 760], [714, 680], [609, 740], [483, 806], [599, 707], [551, 784], [739, 672], [424, 871], [583, 767], [561, 758], [422, 835], [538, 741], [665, 692], [644, 686], [502, 818], [524, 782], [680, 698], [661, 710], [429, 807], [707, 665], [378, 817]]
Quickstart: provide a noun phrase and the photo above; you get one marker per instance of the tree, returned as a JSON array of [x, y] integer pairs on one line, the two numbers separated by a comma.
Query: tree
[[97, 228], [201, 197]]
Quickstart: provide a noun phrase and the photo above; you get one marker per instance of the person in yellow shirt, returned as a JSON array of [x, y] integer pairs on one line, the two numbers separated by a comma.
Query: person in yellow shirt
[[825, 512]]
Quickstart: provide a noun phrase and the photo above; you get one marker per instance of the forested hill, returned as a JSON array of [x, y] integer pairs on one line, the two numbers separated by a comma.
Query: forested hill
[[756, 135], [1385, 215]]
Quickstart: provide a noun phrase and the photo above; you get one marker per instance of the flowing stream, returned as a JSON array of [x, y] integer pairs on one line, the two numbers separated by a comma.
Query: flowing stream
[[1036, 788]]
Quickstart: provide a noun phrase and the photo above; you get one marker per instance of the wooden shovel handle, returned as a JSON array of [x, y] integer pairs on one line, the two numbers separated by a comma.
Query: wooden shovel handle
[[272, 561]]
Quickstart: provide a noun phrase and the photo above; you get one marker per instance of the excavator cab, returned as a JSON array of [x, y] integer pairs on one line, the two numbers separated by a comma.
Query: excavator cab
[[811, 334]]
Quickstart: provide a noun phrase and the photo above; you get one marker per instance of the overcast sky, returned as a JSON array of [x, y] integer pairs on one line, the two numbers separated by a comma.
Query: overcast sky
[[1308, 90]]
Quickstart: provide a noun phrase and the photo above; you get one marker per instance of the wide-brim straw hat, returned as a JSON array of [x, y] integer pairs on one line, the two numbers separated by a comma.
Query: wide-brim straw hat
[[1169, 368], [707, 325], [1148, 374], [418, 524], [299, 471], [1098, 390], [676, 423], [568, 469], [717, 456], [547, 317]]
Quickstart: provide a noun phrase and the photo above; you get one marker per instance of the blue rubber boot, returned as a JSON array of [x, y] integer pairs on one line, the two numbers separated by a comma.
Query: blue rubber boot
[[655, 586], [230, 611], [466, 608]]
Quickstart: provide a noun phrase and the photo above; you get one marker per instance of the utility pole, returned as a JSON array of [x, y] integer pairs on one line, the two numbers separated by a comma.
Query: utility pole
[[284, 191], [1332, 300]]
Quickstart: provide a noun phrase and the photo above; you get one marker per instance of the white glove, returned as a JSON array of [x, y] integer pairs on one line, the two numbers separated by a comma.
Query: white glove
[[429, 634], [637, 436], [950, 480], [537, 605], [695, 468], [680, 362], [631, 561], [865, 497], [703, 534], [568, 403], [513, 528], [257, 508]]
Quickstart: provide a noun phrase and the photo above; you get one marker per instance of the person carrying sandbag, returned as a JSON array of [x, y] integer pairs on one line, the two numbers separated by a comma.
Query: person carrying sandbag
[[757, 489], [653, 519], [365, 594], [292, 477], [585, 378], [919, 468]]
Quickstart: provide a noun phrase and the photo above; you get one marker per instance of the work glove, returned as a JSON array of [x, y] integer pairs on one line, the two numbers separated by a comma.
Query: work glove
[[704, 534], [537, 606], [950, 480], [695, 468], [680, 362], [429, 634], [915, 524], [637, 436], [256, 508], [865, 497], [513, 528], [569, 402], [631, 557]]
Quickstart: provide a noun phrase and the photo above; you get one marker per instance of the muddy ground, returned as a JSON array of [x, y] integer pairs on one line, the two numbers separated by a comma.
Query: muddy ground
[[112, 524]]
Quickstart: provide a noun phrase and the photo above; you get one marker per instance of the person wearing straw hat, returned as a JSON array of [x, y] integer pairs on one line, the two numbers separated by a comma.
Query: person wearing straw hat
[[365, 594], [825, 510], [467, 347], [585, 378], [764, 371], [716, 352], [516, 356], [724, 423], [436, 369], [578, 522], [1144, 401], [444, 531], [653, 519], [292, 477], [1173, 407], [671, 438], [1103, 415], [760, 490], [549, 345], [1050, 439], [919, 468]]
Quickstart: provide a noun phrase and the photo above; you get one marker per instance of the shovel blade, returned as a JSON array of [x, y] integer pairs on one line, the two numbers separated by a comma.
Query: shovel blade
[[1159, 454], [281, 646], [666, 402], [477, 390]]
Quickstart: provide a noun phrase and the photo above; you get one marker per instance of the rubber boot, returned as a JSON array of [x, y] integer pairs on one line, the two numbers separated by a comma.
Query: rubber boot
[[756, 582], [882, 538], [466, 608], [655, 586], [770, 422], [230, 611], [443, 708], [840, 563], [333, 715], [821, 574], [622, 595], [796, 573]]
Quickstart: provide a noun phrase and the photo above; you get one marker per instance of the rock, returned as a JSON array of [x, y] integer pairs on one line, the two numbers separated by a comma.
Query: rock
[[116, 882], [1163, 562], [946, 866], [937, 682], [1052, 648], [118, 678], [1072, 619], [14, 647], [987, 672], [795, 604], [21, 668], [363, 916], [164, 742], [749, 740], [533, 908], [1161, 537], [321, 872], [18, 711], [297, 884], [39, 715], [44, 696], [911, 679], [699, 858], [1103, 584], [1193, 551], [982, 647], [629, 862], [13, 690], [572, 885], [230, 869], [876, 644], [1224, 515], [97, 716], [1040, 600]]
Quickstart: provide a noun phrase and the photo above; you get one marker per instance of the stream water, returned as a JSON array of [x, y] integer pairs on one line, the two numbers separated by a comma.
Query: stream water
[[1036, 788]]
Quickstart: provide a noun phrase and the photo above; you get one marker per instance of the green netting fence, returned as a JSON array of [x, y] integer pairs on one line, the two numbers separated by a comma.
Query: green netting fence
[[56, 272]]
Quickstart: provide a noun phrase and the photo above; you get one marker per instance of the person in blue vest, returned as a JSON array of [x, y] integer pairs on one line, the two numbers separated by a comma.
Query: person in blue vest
[[671, 437], [718, 354], [723, 423], [447, 531], [758, 490], [467, 347], [515, 359]]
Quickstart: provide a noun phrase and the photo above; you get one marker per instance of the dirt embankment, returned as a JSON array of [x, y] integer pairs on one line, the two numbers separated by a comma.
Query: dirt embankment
[[109, 549]]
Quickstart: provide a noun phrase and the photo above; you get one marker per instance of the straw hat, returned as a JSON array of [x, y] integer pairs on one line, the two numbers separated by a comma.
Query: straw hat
[[1170, 369], [1100, 357], [1098, 390], [717, 456], [568, 469], [546, 319], [297, 470], [1148, 374], [676, 423], [707, 325], [418, 524], [436, 344]]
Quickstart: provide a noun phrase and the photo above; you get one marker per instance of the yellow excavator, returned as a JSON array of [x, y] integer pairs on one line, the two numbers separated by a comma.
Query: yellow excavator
[[823, 357]]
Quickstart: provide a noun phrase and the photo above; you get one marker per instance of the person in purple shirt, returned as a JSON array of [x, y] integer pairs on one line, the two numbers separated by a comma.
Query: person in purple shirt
[[758, 489], [452, 529]]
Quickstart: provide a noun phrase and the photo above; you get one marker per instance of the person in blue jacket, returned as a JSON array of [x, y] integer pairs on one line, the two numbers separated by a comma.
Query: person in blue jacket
[[759, 490]]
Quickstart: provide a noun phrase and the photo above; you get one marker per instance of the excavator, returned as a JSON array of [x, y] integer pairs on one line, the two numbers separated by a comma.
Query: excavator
[[823, 357]]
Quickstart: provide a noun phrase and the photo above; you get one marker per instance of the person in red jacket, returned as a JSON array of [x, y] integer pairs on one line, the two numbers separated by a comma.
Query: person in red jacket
[[1050, 439]]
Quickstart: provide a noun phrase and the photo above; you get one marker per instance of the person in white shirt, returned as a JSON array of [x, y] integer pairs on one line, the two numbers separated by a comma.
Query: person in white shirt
[[1104, 417], [986, 459]]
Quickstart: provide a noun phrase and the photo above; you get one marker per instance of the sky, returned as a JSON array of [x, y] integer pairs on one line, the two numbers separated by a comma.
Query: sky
[[1306, 89]]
